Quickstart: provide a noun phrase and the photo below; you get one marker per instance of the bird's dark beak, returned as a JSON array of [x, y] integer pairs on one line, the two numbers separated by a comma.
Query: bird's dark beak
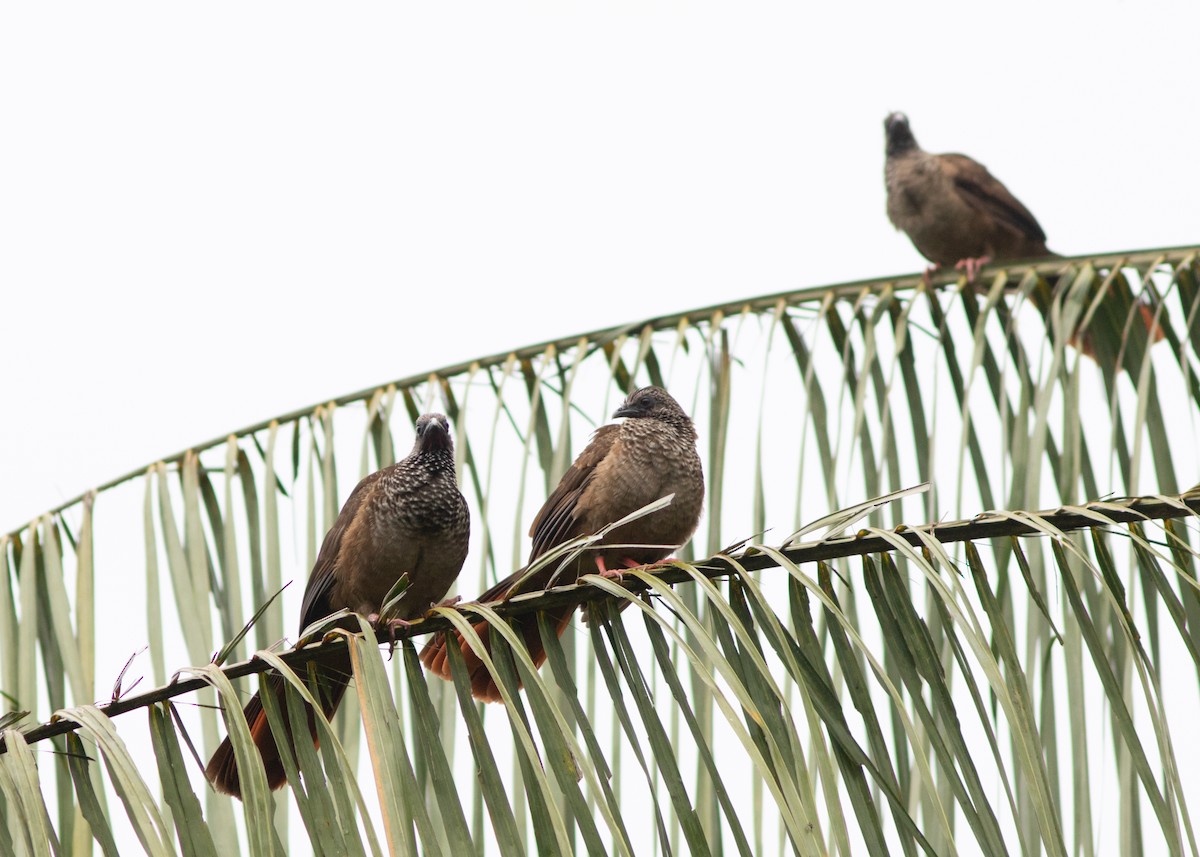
[[626, 410]]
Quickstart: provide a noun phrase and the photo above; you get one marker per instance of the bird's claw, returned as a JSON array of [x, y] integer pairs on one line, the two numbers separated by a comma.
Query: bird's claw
[[604, 571], [392, 626], [971, 266]]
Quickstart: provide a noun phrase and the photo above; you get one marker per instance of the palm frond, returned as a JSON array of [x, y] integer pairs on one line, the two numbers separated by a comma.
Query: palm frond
[[938, 692]]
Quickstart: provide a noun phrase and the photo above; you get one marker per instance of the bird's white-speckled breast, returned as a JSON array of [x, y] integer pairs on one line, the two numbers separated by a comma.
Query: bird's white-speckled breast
[[420, 524]]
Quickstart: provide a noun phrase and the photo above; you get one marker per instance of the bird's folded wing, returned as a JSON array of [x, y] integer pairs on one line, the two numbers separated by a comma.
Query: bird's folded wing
[[322, 577], [984, 192], [557, 521]]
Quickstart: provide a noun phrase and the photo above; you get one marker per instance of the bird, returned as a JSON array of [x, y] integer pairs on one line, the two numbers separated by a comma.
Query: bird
[[625, 467], [953, 210], [957, 213], [409, 518]]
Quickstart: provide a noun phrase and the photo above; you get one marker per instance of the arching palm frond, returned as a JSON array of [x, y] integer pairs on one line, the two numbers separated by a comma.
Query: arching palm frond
[[1003, 690]]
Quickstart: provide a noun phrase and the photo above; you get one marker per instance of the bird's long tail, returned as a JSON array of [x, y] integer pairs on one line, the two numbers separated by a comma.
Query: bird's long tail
[[222, 770], [483, 683]]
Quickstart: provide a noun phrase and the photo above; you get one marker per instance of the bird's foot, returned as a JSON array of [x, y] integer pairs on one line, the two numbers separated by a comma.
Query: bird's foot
[[971, 266], [927, 276], [617, 574], [610, 573], [392, 626], [604, 571]]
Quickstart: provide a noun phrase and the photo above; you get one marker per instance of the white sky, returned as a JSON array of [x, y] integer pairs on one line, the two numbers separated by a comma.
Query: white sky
[[213, 213]]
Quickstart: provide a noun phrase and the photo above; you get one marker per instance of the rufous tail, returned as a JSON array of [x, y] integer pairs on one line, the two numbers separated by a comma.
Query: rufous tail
[[483, 683], [222, 770]]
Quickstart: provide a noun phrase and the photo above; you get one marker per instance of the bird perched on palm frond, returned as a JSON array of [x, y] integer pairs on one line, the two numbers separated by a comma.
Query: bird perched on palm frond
[[624, 468], [409, 518], [954, 211], [957, 213]]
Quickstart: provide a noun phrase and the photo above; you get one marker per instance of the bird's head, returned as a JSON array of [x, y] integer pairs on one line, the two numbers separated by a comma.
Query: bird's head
[[652, 403], [899, 135], [433, 432]]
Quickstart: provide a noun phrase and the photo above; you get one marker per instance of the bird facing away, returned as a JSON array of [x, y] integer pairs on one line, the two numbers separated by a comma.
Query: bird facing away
[[625, 467], [954, 210], [409, 518]]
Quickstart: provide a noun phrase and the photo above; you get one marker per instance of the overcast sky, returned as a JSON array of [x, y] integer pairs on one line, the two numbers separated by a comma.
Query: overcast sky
[[214, 213]]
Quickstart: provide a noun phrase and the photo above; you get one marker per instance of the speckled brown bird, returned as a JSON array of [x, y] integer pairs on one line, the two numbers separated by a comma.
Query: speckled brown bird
[[408, 518], [954, 210], [625, 467]]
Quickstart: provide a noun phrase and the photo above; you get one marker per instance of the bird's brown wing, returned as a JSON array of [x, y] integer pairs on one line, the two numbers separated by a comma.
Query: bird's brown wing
[[984, 192], [557, 520], [323, 576]]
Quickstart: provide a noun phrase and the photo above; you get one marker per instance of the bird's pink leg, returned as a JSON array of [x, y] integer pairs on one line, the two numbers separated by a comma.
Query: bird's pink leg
[[604, 571], [972, 266], [394, 625], [404, 623], [927, 277]]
